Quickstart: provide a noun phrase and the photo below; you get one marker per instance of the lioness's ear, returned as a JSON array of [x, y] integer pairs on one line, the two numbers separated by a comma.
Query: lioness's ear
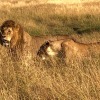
[[47, 43], [50, 42]]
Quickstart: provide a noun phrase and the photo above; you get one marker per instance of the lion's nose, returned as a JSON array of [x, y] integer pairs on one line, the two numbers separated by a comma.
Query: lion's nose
[[3, 36], [43, 58], [5, 41]]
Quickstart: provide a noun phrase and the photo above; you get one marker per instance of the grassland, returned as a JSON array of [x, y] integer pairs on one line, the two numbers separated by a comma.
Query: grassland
[[52, 80], [54, 19]]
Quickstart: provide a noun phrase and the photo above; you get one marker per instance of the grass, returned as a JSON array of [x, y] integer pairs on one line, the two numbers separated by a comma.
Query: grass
[[46, 19], [52, 80]]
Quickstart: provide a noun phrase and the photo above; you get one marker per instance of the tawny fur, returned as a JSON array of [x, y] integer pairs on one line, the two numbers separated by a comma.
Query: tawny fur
[[80, 50], [69, 48], [20, 43]]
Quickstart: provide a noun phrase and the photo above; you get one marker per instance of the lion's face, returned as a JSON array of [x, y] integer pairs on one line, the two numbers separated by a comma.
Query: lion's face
[[7, 34], [42, 52], [11, 33], [48, 49]]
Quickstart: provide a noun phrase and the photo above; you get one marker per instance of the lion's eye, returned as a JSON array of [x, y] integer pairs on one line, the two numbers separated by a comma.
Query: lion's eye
[[9, 31], [5, 28]]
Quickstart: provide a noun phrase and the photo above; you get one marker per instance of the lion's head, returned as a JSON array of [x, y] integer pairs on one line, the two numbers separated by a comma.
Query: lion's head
[[50, 49], [11, 33], [42, 52]]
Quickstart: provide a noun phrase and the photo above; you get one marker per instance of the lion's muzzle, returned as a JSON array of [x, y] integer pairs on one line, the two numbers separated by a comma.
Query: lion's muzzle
[[5, 43]]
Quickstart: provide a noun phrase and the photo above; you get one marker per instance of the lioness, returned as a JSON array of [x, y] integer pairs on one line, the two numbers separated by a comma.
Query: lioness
[[50, 49], [69, 48], [73, 49]]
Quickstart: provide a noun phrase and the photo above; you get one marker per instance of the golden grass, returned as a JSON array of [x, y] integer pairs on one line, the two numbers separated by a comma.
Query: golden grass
[[52, 80], [53, 19], [49, 80]]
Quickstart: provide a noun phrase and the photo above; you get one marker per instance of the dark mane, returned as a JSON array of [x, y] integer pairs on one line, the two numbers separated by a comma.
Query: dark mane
[[8, 23], [18, 37]]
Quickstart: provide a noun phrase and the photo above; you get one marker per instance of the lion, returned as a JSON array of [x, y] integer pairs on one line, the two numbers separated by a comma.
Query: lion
[[50, 49], [79, 50], [68, 49], [12, 34], [15, 39]]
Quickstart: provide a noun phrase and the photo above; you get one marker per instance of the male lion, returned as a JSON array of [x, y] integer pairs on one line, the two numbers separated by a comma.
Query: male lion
[[14, 38], [13, 35]]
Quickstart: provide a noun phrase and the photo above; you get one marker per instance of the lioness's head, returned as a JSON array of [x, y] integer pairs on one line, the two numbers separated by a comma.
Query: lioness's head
[[46, 50], [8, 31]]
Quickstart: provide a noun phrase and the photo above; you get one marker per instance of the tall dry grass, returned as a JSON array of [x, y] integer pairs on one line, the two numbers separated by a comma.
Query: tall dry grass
[[51, 80]]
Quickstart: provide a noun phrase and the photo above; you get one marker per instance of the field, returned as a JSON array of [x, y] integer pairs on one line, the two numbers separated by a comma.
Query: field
[[51, 80]]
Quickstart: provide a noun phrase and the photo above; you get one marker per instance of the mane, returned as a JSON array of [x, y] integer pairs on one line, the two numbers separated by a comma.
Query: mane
[[8, 23], [18, 37]]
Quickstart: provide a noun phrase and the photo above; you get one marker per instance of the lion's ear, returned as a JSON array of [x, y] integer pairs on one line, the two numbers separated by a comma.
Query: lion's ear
[[50, 42], [17, 27], [47, 42]]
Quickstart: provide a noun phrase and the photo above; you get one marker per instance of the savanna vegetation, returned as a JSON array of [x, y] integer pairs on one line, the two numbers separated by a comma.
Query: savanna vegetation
[[53, 80]]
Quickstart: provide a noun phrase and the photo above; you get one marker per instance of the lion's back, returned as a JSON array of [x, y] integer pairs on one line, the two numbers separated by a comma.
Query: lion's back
[[80, 50]]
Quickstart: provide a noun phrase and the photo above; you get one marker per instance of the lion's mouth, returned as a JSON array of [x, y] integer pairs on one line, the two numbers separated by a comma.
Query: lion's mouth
[[6, 43]]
